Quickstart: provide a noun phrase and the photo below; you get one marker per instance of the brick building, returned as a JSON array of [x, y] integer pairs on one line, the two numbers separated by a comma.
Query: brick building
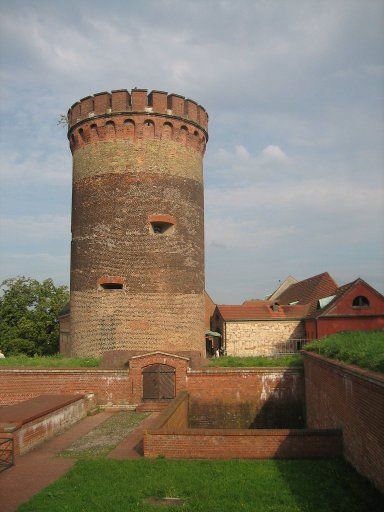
[[298, 311], [137, 258]]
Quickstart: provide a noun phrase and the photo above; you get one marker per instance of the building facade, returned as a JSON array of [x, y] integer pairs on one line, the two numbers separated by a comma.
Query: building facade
[[137, 256]]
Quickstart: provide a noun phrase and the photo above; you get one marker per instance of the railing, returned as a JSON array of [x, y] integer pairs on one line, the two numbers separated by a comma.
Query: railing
[[292, 346], [270, 349], [6, 453]]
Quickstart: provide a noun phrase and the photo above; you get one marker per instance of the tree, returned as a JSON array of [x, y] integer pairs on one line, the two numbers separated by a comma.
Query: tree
[[29, 316]]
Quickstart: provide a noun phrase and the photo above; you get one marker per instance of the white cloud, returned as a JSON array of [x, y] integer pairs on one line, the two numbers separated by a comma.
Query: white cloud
[[274, 154], [293, 90]]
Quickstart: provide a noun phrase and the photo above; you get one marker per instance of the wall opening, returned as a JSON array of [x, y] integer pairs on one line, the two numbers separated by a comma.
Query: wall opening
[[111, 286], [161, 228], [360, 302], [158, 382]]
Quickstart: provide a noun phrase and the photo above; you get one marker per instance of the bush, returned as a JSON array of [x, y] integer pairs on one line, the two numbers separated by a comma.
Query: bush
[[362, 348], [29, 316]]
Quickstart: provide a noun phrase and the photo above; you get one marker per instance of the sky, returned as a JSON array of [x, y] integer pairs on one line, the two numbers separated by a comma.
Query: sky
[[294, 181]]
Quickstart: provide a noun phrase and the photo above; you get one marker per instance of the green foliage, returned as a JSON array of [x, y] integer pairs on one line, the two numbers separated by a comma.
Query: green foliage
[[237, 362], [209, 486], [55, 361], [362, 348], [28, 316]]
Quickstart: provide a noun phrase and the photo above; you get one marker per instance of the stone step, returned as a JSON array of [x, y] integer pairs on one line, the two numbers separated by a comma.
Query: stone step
[[151, 406]]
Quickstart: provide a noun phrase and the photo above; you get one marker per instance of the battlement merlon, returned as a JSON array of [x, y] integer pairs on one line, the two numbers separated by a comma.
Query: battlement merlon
[[138, 101]]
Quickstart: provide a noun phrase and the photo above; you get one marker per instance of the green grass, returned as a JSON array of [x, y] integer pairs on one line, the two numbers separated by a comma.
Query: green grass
[[209, 486], [289, 360], [362, 348], [56, 361], [103, 438]]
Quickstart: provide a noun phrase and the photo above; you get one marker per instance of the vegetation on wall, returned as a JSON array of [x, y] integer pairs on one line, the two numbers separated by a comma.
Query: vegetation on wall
[[28, 316], [55, 361], [254, 361], [362, 348]]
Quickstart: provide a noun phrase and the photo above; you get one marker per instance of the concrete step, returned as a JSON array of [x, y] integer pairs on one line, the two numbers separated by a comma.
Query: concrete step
[[151, 406]]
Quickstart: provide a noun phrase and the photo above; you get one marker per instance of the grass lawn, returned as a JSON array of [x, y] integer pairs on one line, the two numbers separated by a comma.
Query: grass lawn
[[56, 361], [288, 360], [209, 486], [362, 348]]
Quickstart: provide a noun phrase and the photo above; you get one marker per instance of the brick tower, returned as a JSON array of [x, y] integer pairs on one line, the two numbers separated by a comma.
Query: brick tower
[[137, 259]]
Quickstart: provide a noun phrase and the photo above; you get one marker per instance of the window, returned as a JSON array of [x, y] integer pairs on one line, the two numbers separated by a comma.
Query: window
[[111, 286], [360, 302], [159, 228], [161, 224]]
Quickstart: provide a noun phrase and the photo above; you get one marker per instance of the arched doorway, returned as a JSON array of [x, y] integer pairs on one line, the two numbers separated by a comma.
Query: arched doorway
[[158, 382]]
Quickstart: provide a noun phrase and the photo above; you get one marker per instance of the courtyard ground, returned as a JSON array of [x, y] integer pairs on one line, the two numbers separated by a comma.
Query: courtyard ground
[[209, 486], [88, 479]]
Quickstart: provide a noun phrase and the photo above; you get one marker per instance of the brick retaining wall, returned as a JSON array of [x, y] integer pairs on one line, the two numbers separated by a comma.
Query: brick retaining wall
[[28, 433], [171, 438], [124, 387], [239, 397], [111, 387], [352, 399]]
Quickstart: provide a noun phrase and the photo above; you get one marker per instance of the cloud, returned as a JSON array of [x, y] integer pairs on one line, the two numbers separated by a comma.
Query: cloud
[[294, 92], [274, 154]]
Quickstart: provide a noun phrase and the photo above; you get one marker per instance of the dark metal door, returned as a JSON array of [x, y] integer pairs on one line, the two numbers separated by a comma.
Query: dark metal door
[[158, 382]]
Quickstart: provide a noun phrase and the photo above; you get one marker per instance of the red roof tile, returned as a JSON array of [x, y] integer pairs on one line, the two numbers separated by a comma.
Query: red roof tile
[[261, 310], [309, 291]]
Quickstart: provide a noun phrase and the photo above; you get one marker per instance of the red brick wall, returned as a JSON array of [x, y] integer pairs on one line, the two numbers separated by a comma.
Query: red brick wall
[[352, 399], [245, 384], [124, 387], [326, 326], [239, 397], [244, 444], [111, 387]]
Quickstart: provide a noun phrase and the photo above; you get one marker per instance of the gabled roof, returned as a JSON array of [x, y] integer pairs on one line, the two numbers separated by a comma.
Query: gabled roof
[[288, 281], [261, 310], [309, 291], [340, 292]]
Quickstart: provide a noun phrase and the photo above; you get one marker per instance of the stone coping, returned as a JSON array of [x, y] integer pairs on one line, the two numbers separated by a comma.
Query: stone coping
[[247, 369], [125, 371], [345, 368], [29, 410], [166, 414], [23, 369], [303, 432]]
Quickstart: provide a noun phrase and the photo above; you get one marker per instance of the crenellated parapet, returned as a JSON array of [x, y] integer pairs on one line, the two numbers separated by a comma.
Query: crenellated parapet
[[137, 115]]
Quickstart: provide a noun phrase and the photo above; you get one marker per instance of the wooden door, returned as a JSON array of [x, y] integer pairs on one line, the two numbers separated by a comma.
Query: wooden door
[[158, 382]]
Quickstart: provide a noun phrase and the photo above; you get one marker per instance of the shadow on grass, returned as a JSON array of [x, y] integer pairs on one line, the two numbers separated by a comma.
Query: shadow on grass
[[317, 484], [329, 485]]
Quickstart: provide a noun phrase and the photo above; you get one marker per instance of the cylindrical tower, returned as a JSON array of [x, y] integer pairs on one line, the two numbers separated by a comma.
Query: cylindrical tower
[[137, 259]]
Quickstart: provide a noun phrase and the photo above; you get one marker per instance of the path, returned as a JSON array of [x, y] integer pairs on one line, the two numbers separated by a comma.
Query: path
[[39, 468], [131, 447]]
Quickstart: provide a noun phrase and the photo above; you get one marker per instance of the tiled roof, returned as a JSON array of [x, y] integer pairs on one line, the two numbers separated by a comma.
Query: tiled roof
[[261, 310], [309, 291], [338, 293]]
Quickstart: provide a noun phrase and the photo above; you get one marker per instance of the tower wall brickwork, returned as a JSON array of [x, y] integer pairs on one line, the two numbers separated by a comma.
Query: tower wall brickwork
[[137, 166]]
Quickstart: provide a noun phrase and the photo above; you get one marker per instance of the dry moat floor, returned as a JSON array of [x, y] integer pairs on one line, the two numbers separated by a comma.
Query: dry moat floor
[[96, 483], [207, 486]]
